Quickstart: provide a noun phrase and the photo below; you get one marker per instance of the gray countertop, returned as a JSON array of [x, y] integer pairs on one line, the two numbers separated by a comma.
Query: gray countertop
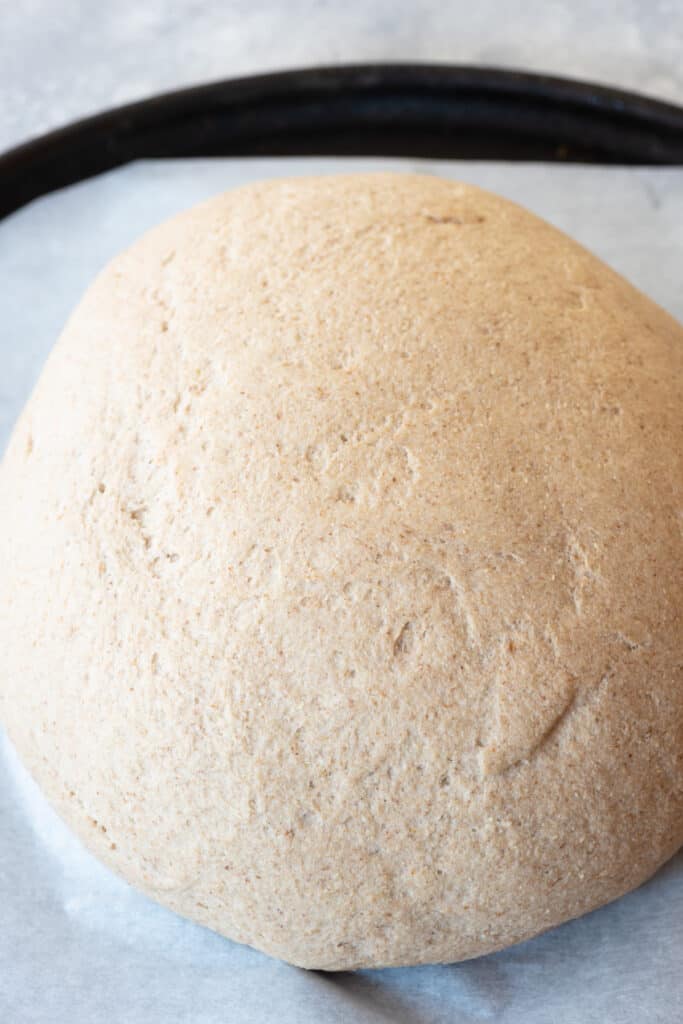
[[63, 59]]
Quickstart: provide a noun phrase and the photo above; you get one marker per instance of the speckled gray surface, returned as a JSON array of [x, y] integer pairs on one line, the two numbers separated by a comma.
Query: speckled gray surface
[[62, 59]]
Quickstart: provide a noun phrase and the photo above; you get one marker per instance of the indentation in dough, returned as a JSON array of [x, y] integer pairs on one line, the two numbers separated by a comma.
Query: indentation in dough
[[531, 694], [345, 494], [631, 643], [458, 219], [139, 517], [404, 640]]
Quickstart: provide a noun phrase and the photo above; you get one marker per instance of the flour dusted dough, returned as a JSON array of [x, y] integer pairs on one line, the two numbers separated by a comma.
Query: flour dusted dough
[[341, 563]]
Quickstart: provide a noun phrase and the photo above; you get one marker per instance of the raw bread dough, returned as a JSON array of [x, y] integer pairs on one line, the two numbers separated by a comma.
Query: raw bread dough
[[341, 563]]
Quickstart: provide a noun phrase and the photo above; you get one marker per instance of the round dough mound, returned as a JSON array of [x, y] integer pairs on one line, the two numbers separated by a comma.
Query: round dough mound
[[341, 559]]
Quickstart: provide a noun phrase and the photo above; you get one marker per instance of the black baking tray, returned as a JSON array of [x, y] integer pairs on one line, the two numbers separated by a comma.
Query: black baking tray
[[414, 110]]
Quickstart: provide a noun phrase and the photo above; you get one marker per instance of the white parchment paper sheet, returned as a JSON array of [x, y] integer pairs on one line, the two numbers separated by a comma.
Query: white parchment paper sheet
[[79, 946]]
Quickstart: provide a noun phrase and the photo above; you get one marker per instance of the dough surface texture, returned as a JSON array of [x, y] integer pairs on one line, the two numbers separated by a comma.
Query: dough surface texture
[[341, 561]]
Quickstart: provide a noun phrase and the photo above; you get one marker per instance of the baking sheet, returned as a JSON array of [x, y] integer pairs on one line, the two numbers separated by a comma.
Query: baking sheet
[[79, 945]]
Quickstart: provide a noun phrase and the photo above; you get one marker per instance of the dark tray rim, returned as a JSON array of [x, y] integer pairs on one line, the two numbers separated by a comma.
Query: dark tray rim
[[413, 110]]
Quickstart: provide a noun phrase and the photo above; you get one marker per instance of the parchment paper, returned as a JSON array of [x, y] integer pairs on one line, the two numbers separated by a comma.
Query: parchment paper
[[79, 945]]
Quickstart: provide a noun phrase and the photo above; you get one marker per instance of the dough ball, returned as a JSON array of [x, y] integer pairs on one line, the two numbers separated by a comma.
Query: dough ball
[[342, 572]]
